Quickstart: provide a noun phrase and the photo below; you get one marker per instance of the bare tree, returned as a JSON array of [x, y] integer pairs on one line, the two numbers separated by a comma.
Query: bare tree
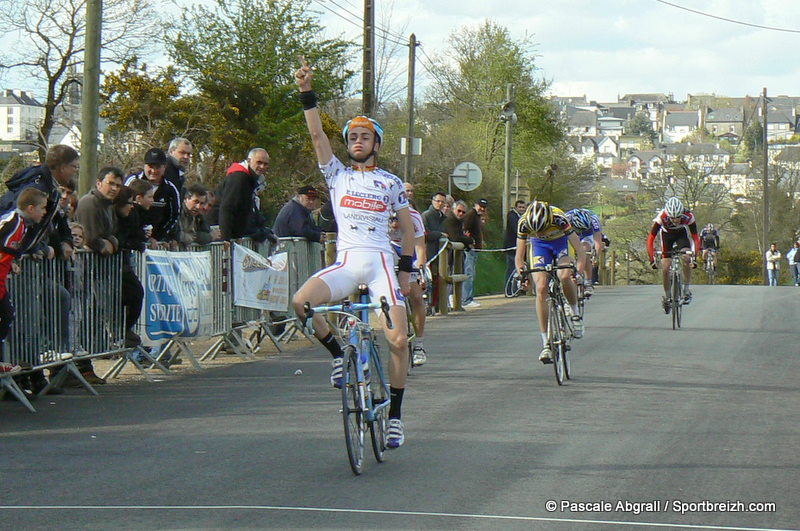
[[50, 47]]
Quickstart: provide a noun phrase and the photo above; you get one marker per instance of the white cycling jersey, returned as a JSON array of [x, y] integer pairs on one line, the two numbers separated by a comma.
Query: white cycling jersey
[[362, 201]]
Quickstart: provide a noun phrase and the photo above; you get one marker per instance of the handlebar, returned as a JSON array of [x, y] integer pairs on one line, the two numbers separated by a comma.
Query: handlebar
[[347, 307], [547, 268]]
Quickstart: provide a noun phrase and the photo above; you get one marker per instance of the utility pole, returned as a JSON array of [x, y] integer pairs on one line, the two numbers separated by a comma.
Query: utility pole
[[90, 96], [368, 74], [509, 118], [765, 172], [409, 166]]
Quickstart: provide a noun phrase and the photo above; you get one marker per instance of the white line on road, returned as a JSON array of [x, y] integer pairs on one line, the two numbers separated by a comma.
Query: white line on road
[[386, 513]]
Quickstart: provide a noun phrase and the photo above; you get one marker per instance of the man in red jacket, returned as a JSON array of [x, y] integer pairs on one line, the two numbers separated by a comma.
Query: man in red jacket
[[239, 205]]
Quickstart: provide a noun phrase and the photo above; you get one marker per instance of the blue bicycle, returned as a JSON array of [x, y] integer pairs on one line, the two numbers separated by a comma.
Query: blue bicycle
[[365, 391]]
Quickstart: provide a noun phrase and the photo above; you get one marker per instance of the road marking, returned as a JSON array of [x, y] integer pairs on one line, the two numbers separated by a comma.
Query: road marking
[[387, 513]]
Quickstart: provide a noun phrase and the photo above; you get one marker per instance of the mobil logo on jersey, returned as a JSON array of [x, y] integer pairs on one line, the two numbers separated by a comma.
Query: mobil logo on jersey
[[364, 201]]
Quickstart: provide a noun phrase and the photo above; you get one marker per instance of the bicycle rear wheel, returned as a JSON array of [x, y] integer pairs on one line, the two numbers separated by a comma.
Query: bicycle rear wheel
[[353, 411], [555, 335]]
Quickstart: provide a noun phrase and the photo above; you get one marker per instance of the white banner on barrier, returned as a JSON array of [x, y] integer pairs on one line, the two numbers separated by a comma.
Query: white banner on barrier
[[178, 297], [260, 282]]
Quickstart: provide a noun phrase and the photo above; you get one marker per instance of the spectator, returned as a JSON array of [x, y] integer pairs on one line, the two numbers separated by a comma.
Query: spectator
[[454, 230], [773, 257], [165, 218], [295, 219], [179, 156], [433, 219], [409, 188], [78, 235], [69, 199], [194, 229], [510, 239], [473, 227], [794, 266], [326, 219], [239, 205], [96, 213], [205, 211], [61, 165], [129, 237], [31, 208], [143, 196]]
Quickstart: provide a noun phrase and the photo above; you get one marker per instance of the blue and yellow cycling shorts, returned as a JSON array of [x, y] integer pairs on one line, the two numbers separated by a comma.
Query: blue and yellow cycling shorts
[[545, 252]]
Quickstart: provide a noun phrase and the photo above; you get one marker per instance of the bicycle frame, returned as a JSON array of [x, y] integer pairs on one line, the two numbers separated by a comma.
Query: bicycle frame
[[365, 399], [559, 326], [361, 335]]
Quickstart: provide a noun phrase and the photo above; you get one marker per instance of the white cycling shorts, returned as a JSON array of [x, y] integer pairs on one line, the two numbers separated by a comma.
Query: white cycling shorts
[[352, 268]]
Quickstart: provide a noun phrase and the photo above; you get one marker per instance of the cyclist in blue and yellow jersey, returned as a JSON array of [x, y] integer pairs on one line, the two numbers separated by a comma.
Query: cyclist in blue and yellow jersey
[[587, 226], [362, 196], [548, 230]]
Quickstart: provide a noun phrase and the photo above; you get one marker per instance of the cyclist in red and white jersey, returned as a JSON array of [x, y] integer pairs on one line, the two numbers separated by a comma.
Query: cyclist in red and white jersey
[[362, 196], [677, 228]]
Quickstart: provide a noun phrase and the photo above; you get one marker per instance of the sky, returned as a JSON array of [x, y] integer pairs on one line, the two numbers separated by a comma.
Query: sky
[[606, 48], [600, 48]]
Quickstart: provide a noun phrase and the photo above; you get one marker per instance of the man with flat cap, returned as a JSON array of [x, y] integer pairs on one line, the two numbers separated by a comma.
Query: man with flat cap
[[295, 219]]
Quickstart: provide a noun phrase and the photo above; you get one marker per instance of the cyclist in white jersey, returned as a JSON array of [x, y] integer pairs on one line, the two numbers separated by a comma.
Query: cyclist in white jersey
[[418, 280], [362, 196]]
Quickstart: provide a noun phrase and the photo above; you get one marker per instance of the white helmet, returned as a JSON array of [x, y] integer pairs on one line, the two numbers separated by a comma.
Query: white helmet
[[537, 216], [673, 207]]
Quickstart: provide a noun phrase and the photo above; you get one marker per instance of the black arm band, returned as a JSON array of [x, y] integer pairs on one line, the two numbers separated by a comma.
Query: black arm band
[[405, 264], [308, 99]]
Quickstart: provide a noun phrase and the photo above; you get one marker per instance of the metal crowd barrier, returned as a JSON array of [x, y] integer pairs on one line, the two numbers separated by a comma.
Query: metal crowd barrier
[[66, 311], [71, 310]]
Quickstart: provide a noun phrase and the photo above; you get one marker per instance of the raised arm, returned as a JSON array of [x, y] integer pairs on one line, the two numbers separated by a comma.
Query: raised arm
[[322, 145]]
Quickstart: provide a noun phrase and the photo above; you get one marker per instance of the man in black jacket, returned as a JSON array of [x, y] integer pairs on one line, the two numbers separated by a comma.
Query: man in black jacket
[[239, 205], [294, 219], [166, 216], [510, 240], [433, 219]]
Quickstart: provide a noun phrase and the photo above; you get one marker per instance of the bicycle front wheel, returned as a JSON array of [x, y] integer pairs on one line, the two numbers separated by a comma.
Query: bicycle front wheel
[[353, 406], [677, 296], [513, 287], [555, 335], [565, 347]]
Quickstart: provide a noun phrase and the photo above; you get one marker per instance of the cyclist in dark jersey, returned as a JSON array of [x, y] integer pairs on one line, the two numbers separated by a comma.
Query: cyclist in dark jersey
[[709, 239]]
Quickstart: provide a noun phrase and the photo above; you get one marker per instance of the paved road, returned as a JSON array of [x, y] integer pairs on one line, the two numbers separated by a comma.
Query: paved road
[[707, 413]]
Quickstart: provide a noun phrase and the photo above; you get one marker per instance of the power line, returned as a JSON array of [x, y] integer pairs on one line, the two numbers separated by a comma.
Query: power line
[[389, 36], [709, 15]]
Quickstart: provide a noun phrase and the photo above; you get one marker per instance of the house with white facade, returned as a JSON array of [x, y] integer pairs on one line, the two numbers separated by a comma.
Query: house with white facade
[[701, 157], [582, 123], [20, 116], [607, 151], [610, 126], [677, 125], [645, 164], [737, 178]]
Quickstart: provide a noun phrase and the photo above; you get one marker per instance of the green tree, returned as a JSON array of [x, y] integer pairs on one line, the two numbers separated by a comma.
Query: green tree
[[753, 140], [460, 121], [640, 125], [240, 56]]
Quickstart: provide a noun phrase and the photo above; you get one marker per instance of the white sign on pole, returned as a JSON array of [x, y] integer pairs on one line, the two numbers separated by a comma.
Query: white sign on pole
[[416, 146], [467, 176]]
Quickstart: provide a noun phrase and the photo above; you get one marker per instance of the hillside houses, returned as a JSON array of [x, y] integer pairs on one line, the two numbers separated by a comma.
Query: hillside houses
[[700, 134]]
